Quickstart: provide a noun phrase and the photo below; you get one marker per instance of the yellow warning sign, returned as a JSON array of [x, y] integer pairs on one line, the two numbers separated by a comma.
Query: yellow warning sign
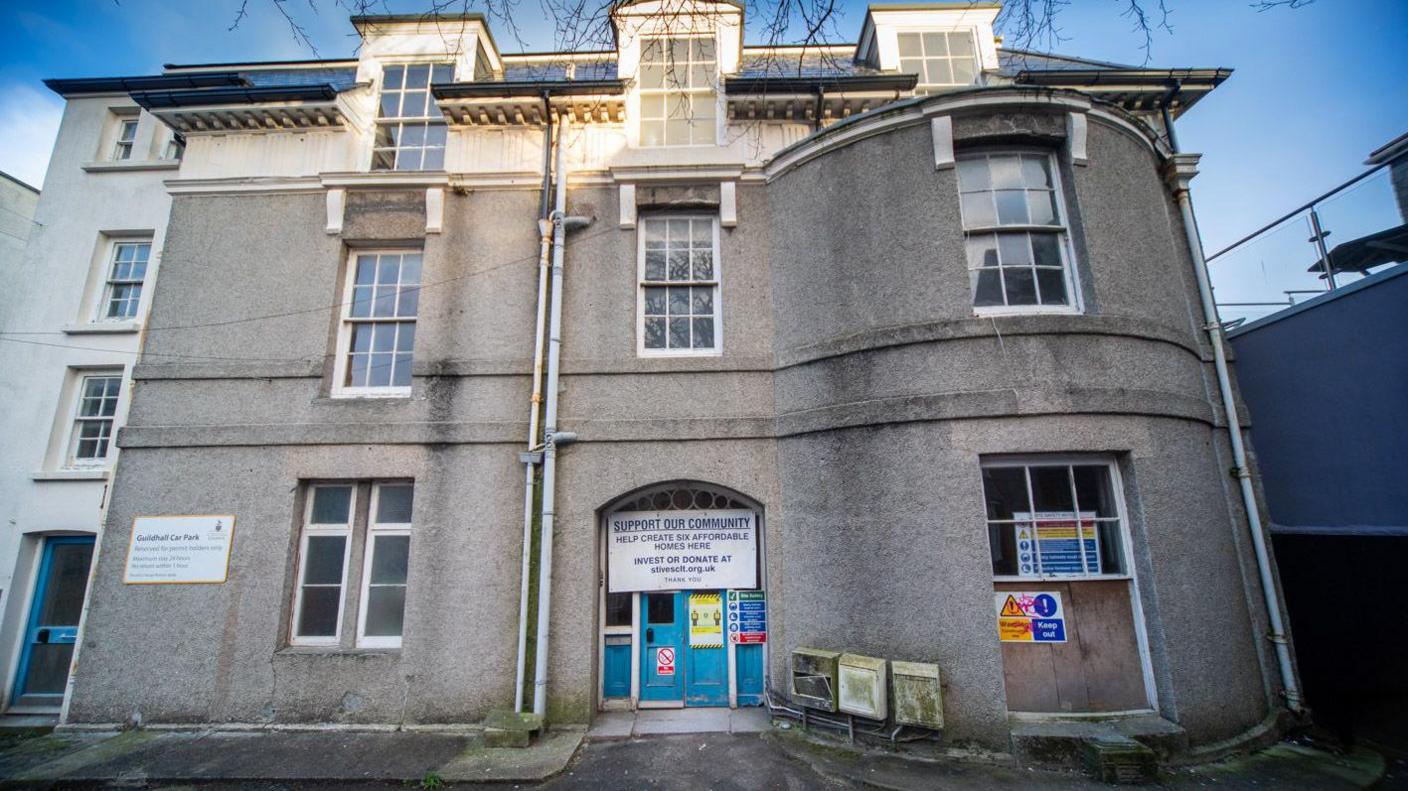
[[706, 621], [1014, 630], [1011, 608]]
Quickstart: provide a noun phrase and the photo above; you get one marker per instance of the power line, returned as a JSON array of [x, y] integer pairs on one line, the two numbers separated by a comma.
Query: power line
[[302, 311], [156, 354]]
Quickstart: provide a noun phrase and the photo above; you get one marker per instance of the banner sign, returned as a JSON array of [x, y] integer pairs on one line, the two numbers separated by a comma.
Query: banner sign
[[1030, 617], [179, 549], [1057, 546], [706, 621], [681, 550], [747, 617]]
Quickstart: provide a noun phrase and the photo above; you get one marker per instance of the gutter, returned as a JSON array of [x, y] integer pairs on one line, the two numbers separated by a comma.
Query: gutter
[[493, 90], [82, 85], [752, 86], [154, 100]]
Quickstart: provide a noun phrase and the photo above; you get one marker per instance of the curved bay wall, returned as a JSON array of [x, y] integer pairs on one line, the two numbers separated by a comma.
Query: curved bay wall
[[889, 391]]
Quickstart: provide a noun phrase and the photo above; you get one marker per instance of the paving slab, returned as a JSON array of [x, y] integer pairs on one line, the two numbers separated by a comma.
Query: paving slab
[[611, 725], [750, 720], [664, 722]]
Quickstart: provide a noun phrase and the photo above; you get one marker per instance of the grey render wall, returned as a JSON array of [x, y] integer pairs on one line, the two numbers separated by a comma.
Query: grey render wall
[[1325, 385], [887, 404], [853, 399]]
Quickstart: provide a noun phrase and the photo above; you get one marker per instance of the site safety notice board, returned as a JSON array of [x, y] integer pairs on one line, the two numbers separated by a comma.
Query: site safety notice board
[[1030, 617]]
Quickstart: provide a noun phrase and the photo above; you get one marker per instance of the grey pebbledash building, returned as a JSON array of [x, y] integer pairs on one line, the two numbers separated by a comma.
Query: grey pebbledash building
[[894, 349]]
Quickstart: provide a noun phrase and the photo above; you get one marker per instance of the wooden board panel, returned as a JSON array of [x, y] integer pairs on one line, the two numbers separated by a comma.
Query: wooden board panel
[[1096, 669]]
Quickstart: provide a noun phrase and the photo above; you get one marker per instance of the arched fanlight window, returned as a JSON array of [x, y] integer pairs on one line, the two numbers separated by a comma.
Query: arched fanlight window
[[681, 497]]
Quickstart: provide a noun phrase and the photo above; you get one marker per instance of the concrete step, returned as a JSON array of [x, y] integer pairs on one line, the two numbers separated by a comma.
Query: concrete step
[[1061, 742]]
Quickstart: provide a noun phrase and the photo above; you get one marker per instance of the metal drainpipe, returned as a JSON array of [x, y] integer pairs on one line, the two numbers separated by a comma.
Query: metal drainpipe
[[1213, 326], [551, 437], [544, 250]]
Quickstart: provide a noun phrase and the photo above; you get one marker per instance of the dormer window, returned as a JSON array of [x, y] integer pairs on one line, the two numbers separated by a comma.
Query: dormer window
[[942, 59], [410, 130], [677, 92]]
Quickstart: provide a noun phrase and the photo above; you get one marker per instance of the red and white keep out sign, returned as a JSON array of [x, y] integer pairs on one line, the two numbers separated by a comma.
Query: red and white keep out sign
[[664, 661]]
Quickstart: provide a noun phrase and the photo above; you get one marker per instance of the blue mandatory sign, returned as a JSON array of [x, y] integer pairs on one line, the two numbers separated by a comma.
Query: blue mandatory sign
[[1045, 605], [1048, 631]]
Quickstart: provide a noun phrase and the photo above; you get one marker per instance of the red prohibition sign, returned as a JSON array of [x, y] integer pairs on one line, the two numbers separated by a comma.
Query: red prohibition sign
[[665, 656]]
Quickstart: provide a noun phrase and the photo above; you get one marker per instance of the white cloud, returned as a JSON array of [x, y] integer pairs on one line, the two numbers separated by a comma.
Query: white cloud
[[29, 122]]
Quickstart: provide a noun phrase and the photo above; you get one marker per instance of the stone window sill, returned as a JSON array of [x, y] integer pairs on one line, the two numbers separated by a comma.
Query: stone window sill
[[102, 328], [97, 474], [129, 165]]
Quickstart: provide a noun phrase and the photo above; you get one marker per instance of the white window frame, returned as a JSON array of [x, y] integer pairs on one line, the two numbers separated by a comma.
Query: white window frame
[[714, 89], [109, 281], [922, 87], [1055, 460], [124, 147], [642, 284], [175, 148], [1061, 230], [347, 322], [71, 459], [400, 122], [306, 531], [375, 529]]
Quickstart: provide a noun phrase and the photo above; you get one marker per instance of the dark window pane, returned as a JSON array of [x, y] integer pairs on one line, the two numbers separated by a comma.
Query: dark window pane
[[1011, 207], [323, 566], [384, 337], [330, 504], [392, 77], [379, 370], [655, 301], [401, 371], [435, 134], [703, 333], [660, 608], [1111, 548], [655, 333], [393, 503], [703, 264], [679, 333], [434, 159], [47, 673], [1021, 286], [1005, 489], [703, 301], [390, 105], [408, 159], [654, 264], [1051, 488], [390, 559], [679, 300], [1093, 489], [386, 607], [383, 160], [679, 265], [319, 616], [357, 366], [413, 135], [418, 75], [408, 304], [1014, 250], [1046, 248], [1052, 283], [1002, 542], [68, 580], [972, 175], [618, 609]]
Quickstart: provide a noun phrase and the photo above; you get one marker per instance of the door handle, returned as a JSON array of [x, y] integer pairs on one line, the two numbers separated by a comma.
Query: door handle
[[42, 637], [649, 635]]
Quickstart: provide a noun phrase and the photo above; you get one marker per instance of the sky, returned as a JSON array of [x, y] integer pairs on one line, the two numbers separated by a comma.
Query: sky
[[1315, 89]]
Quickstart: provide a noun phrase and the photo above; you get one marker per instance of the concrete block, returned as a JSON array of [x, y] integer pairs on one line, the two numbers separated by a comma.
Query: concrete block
[[1119, 760]]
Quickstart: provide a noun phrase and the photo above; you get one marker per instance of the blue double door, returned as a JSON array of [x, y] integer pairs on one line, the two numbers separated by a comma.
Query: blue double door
[[52, 626], [672, 670]]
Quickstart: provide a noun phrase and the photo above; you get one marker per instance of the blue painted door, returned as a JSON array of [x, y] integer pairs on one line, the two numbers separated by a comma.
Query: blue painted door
[[706, 666], [52, 626], [661, 662]]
